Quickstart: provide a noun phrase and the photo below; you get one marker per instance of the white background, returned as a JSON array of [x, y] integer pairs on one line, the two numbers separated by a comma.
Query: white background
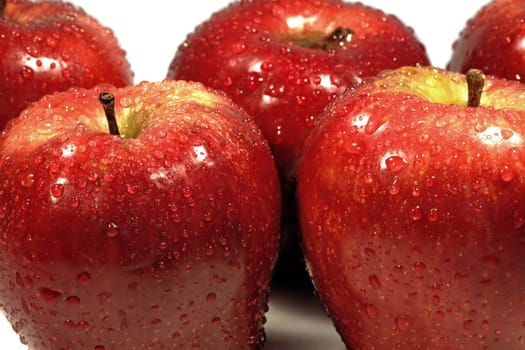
[[151, 32]]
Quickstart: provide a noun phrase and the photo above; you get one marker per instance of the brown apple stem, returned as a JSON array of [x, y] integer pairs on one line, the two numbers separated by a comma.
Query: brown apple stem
[[108, 102], [338, 38], [475, 82]]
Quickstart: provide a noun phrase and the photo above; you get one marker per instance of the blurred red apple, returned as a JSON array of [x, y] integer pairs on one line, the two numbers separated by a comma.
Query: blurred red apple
[[412, 206], [493, 41], [162, 234], [48, 46]]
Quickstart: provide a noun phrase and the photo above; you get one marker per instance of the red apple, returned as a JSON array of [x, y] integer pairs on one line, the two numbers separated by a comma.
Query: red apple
[[284, 60], [493, 41], [162, 237], [412, 206], [48, 46]]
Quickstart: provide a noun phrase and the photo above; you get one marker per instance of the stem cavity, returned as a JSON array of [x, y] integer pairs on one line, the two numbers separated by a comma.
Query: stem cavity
[[475, 82], [108, 103], [338, 38]]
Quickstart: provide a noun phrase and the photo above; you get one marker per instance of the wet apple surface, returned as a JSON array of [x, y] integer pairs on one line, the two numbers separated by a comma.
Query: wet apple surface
[[47, 47], [163, 235], [295, 321], [411, 205]]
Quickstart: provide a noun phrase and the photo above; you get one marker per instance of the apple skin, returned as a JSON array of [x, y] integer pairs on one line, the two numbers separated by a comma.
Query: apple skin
[[267, 56], [412, 210], [163, 238], [493, 41], [263, 55], [49, 46]]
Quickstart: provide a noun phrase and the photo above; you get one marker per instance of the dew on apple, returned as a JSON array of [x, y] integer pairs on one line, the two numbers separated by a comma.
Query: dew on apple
[[371, 310], [50, 296], [403, 322], [57, 190], [112, 230], [84, 278], [27, 72], [506, 173], [433, 215], [73, 301], [374, 281], [355, 147], [416, 213], [395, 163], [28, 180], [125, 102]]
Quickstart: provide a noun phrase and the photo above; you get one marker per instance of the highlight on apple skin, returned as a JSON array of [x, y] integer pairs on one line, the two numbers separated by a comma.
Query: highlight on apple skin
[[411, 206], [163, 235]]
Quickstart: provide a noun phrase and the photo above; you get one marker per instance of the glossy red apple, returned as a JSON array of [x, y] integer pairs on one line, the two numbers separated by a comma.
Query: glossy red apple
[[162, 237], [48, 46], [284, 60], [412, 207], [493, 41]]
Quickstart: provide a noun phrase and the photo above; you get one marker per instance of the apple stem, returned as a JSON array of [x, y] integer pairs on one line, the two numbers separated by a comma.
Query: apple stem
[[108, 103], [475, 82], [337, 38], [3, 4]]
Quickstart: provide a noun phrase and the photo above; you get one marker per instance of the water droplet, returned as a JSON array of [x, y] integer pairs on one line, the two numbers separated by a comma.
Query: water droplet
[[467, 324], [125, 102], [99, 347], [436, 300], [73, 300], [355, 147], [433, 215], [27, 72], [50, 297], [28, 180], [395, 188], [419, 266], [186, 192], [416, 213], [371, 310], [372, 125], [132, 189], [506, 134], [69, 324], [237, 48], [112, 230], [211, 297], [484, 325], [403, 322], [396, 163], [374, 281], [84, 278], [506, 174], [279, 135], [57, 190]]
